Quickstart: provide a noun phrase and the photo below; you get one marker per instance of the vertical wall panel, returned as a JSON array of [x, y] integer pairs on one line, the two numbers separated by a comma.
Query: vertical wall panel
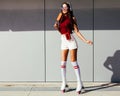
[[22, 40], [106, 38], [52, 41]]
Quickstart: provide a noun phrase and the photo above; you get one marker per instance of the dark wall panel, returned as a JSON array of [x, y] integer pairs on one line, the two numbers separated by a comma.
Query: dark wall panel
[[106, 14]]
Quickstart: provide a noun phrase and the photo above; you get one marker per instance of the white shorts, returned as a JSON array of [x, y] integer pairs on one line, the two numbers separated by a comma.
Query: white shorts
[[68, 44]]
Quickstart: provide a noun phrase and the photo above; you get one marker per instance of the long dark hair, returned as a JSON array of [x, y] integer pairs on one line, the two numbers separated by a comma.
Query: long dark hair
[[69, 13]]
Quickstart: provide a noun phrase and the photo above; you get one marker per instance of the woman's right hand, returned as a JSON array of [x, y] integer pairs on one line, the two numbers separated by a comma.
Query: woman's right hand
[[55, 26]]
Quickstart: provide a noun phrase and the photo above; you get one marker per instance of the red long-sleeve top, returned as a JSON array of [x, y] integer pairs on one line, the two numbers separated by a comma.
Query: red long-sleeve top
[[65, 27]]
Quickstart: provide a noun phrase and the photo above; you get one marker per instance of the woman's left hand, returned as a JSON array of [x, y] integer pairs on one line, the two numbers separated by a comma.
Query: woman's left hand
[[89, 42]]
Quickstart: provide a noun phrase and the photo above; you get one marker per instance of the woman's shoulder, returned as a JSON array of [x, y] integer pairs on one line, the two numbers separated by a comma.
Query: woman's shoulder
[[59, 16]]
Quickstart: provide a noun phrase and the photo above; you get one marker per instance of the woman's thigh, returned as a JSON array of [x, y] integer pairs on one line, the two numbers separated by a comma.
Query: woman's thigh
[[64, 54], [73, 55]]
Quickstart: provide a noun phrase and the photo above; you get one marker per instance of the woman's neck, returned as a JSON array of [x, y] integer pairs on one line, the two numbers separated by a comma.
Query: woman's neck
[[64, 12]]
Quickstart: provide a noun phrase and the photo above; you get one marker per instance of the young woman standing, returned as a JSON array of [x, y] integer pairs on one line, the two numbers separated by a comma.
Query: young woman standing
[[65, 24]]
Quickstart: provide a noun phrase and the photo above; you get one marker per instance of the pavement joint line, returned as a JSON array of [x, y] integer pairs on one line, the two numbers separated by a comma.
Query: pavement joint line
[[30, 91]]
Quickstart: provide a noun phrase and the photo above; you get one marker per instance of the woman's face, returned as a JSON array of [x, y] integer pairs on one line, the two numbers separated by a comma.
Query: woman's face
[[64, 8]]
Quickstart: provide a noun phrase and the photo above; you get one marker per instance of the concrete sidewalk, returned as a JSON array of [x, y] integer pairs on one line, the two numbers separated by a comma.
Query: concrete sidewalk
[[53, 89]]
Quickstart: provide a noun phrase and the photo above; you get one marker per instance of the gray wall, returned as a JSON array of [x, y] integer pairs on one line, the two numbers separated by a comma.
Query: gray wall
[[30, 47]]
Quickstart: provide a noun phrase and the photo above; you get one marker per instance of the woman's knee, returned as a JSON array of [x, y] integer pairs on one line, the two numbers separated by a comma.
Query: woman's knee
[[73, 59]]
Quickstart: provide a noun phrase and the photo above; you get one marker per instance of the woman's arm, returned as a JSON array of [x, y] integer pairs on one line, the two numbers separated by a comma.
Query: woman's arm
[[56, 26], [81, 36]]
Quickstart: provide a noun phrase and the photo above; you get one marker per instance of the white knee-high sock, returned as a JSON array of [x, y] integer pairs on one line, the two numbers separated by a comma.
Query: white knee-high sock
[[77, 72], [63, 74]]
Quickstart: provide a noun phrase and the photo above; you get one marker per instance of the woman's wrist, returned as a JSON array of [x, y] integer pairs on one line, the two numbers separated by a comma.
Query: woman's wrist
[[85, 40], [56, 22], [56, 25]]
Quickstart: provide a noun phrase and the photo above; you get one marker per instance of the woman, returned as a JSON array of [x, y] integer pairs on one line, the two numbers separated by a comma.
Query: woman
[[65, 23]]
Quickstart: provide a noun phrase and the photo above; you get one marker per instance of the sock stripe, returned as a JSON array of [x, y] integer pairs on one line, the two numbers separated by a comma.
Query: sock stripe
[[76, 67], [63, 66]]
